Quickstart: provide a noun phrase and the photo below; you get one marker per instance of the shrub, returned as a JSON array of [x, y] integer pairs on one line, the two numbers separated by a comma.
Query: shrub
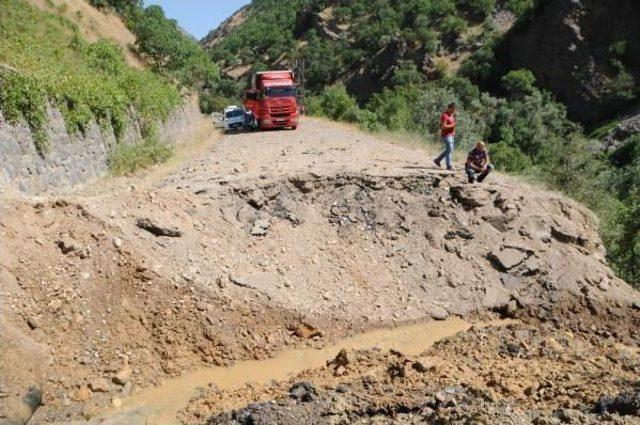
[[520, 7], [393, 109], [125, 159], [334, 102], [509, 159], [453, 26], [519, 83], [478, 9]]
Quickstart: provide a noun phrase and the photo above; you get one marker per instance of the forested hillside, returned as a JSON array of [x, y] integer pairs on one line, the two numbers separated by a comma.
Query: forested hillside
[[394, 65], [169, 50]]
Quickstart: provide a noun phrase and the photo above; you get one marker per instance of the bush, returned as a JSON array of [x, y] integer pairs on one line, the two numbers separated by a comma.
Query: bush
[[519, 83], [393, 109], [335, 103], [478, 9], [520, 7], [125, 159], [453, 26], [531, 123], [509, 159]]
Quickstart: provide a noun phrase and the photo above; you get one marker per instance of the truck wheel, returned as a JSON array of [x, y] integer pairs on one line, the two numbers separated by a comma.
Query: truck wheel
[[295, 127]]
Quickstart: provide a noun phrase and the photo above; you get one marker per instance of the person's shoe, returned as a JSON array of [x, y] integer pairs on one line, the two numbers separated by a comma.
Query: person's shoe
[[481, 179], [472, 180], [450, 169], [435, 161]]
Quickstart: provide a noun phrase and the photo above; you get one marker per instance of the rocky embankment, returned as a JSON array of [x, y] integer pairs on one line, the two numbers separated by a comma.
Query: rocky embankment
[[278, 240], [76, 159]]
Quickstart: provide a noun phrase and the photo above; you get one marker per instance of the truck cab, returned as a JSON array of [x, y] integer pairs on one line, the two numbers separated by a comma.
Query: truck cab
[[273, 99]]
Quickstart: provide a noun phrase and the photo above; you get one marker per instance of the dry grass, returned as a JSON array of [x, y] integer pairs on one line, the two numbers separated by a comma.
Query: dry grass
[[94, 24]]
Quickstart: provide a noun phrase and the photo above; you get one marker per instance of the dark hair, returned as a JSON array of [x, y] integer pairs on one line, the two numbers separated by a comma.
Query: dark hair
[[451, 105]]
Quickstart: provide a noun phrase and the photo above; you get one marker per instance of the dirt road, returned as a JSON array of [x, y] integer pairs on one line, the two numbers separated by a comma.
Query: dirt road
[[276, 241]]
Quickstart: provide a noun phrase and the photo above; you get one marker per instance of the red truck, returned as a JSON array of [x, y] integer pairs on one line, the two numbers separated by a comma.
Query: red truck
[[273, 100]]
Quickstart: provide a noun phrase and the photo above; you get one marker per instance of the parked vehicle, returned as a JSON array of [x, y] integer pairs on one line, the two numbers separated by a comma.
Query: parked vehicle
[[273, 100], [234, 117], [218, 119]]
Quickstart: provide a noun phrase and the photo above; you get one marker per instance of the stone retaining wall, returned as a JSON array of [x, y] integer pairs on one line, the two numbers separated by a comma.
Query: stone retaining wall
[[74, 159]]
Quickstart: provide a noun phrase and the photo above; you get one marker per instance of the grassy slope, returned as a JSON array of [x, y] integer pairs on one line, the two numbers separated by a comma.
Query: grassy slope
[[94, 25], [46, 58]]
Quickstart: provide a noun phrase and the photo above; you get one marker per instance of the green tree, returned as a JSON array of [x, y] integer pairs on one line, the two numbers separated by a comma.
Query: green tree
[[519, 83]]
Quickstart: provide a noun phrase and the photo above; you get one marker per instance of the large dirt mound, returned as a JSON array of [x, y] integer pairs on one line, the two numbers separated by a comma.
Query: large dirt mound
[[273, 239]]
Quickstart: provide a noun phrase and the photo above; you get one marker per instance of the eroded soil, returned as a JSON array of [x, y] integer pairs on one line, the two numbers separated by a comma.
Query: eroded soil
[[276, 241]]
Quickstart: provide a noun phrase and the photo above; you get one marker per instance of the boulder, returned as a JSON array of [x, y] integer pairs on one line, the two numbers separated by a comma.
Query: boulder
[[303, 391], [470, 196], [99, 385], [508, 258], [157, 229], [260, 228]]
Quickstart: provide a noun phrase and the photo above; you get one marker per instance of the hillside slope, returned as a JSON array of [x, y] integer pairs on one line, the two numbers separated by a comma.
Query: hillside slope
[[363, 44], [587, 53], [327, 232], [95, 25]]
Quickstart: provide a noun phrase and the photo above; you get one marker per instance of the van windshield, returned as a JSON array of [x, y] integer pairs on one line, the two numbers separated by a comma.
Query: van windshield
[[280, 92], [235, 113]]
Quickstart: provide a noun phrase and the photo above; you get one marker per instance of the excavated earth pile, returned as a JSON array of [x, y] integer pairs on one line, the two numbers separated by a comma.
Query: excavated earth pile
[[297, 239]]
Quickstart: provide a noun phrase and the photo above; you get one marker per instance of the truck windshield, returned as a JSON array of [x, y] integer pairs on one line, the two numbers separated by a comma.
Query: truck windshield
[[235, 113], [280, 92]]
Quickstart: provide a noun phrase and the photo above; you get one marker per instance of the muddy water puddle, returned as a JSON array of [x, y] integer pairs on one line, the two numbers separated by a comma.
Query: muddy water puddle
[[160, 405]]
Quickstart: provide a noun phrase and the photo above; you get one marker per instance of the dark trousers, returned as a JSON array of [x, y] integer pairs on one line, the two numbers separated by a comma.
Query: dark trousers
[[480, 176]]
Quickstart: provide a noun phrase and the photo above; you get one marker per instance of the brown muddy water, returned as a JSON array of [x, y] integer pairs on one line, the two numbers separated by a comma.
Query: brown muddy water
[[160, 405]]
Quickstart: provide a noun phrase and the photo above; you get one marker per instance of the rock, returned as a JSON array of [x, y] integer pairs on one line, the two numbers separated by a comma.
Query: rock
[[470, 196], [33, 322], [117, 242], [158, 230], [529, 267], [99, 385], [342, 389], [123, 376], [260, 228], [342, 359], [625, 404], [256, 199], [240, 281], [68, 245], [420, 366], [439, 313], [201, 306], [303, 391], [508, 258], [566, 235], [636, 305], [307, 331], [116, 402]]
